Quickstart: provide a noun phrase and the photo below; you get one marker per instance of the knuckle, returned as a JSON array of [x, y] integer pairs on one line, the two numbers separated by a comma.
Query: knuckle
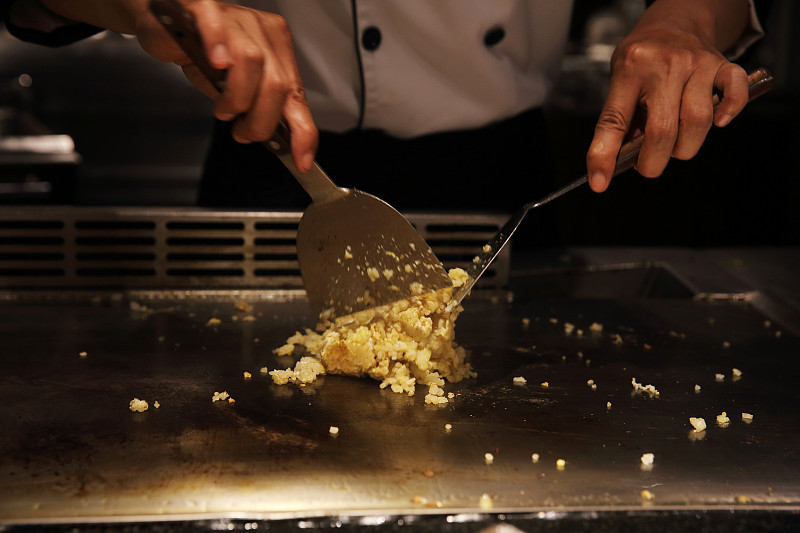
[[252, 54], [633, 54], [641, 54], [661, 130], [680, 60], [595, 153], [696, 115], [298, 94], [612, 119], [277, 84], [733, 74], [598, 151], [736, 89], [278, 26]]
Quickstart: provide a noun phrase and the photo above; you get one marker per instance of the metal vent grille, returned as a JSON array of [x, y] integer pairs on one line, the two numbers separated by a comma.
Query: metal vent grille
[[43, 247]]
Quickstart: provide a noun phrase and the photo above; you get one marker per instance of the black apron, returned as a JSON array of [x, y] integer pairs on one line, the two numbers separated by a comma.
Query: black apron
[[496, 168]]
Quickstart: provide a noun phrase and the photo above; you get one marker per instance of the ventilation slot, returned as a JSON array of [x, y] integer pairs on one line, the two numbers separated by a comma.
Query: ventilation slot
[[31, 251], [277, 241], [465, 228], [31, 224], [211, 257], [206, 226], [277, 272], [456, 242], [114, 257], [275, 257], [31, 241], [32, 272], [115, 252], [205, 241], [289, 227], [115, 272], [206, 272], [115, 225], [115, 241], [30, 256]]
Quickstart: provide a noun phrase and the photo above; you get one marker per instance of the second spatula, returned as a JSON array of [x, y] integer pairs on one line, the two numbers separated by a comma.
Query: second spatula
[[760, 81]]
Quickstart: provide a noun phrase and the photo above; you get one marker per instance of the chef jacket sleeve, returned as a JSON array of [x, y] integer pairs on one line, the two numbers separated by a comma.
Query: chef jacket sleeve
[[752, 33], [30, 21]]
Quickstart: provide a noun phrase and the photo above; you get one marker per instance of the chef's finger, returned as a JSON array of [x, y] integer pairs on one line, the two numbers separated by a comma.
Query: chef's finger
[[275, 84], [244, 77], [296, 111], [266, 107], [305, 136], [731, 81], [612, 125], [663, 105], [210, 24], [696, 114]]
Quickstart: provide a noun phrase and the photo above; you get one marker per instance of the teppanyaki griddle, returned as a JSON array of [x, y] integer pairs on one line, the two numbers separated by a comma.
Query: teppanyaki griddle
[[74, 452]]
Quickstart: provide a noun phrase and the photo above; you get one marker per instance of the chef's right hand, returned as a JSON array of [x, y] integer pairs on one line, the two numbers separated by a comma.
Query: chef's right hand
[[263, 81]]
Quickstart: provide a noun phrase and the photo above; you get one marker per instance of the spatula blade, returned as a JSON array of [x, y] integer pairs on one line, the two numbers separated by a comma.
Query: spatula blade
[[357, 252]]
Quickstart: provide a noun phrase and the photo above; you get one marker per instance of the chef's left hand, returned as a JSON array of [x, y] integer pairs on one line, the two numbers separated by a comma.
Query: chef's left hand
[[668, 68]]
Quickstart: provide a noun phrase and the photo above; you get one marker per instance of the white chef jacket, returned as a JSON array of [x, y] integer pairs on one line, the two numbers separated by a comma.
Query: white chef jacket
[[438, 65], [414, 67], [432, 69]]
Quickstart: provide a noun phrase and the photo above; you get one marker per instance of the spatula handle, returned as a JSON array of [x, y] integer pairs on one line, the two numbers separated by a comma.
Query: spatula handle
[[760, 81], [180, 24]]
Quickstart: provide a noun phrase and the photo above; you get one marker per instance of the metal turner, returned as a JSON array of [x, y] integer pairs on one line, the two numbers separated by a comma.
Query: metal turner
[[355, 251], [760, 82]]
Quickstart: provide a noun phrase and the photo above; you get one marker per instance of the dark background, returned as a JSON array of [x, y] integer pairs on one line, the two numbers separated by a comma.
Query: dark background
[[141, 132]]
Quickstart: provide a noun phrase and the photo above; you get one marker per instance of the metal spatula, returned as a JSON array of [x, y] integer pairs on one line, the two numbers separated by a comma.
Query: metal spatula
[[760, 81], [355, 251]]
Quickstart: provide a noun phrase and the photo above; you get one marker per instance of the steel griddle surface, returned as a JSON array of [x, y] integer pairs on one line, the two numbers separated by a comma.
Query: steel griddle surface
[[74, 451]]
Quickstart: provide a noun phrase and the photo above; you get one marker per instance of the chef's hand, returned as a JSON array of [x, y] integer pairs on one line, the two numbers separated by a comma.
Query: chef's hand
[[667, 69], [263, 82]]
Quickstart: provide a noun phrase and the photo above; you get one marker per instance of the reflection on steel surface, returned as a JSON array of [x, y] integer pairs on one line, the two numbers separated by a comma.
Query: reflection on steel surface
[[74, 451]]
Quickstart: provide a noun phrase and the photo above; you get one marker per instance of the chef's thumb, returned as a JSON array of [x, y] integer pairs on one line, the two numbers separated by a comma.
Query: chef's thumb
[[600, 161]]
